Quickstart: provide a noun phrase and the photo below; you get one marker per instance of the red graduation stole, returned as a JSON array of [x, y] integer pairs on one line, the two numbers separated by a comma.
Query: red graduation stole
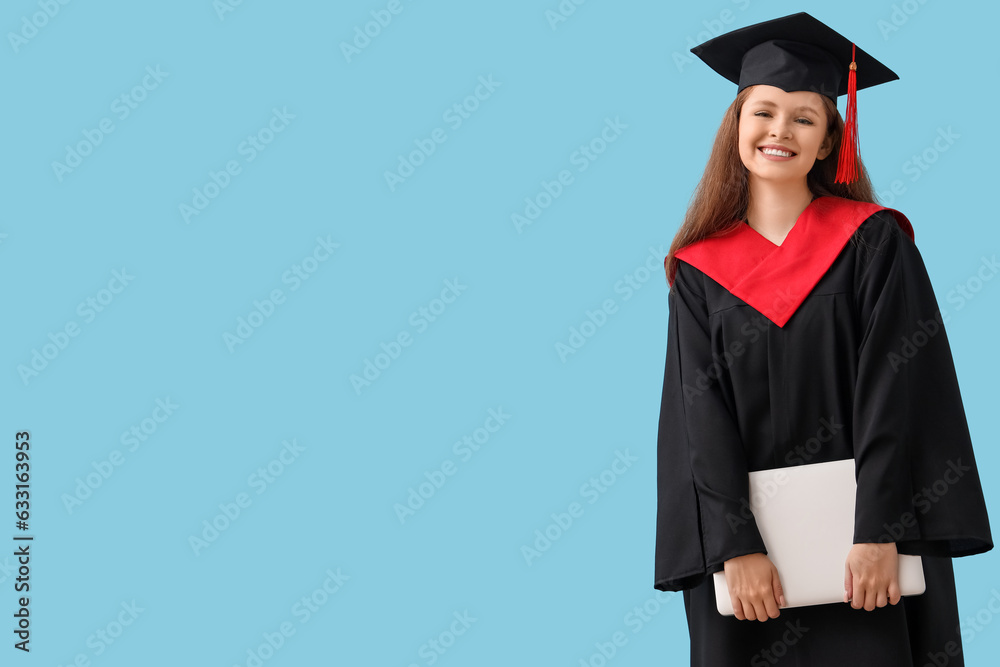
[[774, 280]]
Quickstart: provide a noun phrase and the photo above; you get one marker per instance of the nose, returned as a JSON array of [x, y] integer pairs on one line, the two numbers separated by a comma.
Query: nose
[[781, 129]]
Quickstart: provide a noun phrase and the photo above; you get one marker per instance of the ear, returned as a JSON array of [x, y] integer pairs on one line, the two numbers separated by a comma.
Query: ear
[[826, 148]]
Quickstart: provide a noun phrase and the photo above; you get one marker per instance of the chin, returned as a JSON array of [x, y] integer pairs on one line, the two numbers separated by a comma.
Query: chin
[[777, 177]]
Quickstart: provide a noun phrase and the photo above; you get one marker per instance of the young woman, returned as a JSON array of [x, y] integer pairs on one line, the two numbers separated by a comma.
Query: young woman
[[803, 328]]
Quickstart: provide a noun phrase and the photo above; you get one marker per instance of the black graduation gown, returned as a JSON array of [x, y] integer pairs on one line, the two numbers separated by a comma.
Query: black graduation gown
[[851, 360]]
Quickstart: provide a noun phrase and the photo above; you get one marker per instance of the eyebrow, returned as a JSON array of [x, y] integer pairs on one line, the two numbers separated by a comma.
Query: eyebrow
[[769, 103]]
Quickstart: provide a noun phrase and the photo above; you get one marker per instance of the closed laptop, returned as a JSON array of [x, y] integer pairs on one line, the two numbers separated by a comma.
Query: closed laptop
[[805, 515]]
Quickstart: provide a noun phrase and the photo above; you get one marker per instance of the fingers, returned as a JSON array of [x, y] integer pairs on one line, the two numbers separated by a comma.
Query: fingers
[[870, 597], [749, 608], [765, 604], [770, 608], [848, 582], [754, 587], [871, 594], [894, 594], [865, 597], [871, 577], [757, 608], [743, 609], [858, 598], [779, 595]]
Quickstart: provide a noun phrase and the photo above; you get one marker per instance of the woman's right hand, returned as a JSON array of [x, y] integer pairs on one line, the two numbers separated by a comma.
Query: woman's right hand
[[754, 587]]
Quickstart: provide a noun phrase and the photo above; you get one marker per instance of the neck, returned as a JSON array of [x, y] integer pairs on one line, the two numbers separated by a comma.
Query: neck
[[774, 207]]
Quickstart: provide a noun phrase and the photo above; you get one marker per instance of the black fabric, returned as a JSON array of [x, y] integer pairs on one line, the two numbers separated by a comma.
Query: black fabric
[[863, 369], [792, 66], [794, 52], [920, 630]]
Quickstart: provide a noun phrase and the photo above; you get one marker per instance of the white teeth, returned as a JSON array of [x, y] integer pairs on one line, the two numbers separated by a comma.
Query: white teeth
[[775, 151]]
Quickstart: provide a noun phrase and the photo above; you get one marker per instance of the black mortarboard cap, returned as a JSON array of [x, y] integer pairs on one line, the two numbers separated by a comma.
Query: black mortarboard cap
[[796, 52], [799, 52]]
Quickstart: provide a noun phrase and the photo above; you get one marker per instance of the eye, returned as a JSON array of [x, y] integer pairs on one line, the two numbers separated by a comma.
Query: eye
[[762, 114], [805, 121]]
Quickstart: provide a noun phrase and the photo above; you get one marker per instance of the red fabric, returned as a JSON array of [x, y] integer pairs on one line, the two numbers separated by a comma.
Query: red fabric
[[847, 168], [775, 280]]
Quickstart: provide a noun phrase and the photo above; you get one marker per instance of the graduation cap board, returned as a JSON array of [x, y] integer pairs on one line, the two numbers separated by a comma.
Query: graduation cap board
[[795, 53]]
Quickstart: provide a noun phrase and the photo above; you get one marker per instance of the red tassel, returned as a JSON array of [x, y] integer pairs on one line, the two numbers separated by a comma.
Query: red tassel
[[847, 168]]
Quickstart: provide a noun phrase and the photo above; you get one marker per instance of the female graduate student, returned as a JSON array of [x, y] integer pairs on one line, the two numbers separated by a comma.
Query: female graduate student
[[802, 329]]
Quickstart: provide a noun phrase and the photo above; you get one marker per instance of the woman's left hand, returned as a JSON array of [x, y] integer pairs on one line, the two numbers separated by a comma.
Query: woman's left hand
[[871, 575]]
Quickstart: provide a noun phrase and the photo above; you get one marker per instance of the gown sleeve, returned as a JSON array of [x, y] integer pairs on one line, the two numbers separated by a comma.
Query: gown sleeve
[[918, 484], [702, 517]]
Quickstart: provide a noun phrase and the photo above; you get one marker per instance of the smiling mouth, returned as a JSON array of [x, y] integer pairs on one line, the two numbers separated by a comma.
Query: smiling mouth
[[776, 152]]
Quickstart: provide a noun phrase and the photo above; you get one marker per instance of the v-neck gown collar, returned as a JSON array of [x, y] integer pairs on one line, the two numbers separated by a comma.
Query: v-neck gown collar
[[776, 279]]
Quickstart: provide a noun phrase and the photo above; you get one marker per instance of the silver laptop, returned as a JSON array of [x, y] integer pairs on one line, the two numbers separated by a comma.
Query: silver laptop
[[806, 518]]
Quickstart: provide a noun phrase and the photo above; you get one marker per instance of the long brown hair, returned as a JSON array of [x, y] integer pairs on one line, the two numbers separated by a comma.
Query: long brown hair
[[719, 203]]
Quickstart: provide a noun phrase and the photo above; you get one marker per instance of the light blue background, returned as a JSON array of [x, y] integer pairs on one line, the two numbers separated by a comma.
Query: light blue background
[[494, 347]]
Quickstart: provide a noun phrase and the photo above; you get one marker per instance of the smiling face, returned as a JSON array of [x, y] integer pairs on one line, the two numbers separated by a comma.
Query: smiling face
[[782, 134]]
